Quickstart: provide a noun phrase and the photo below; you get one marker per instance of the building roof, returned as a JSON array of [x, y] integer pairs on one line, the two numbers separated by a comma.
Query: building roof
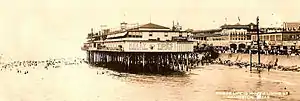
[[207, 31], [136, 30], [208, 35], [153, 26], [281, 32], [291, 22], [272, 28], [149, 27], [237, 26], [252, 24]]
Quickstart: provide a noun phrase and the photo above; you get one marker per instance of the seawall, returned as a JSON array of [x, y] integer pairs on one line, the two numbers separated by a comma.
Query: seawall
[[283, 60]]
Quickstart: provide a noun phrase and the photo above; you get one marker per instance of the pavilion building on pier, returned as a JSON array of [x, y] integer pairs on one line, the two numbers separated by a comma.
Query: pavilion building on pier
[[141, 46]]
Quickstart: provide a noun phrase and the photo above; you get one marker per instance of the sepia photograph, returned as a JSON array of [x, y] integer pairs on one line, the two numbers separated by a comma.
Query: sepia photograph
[[150, 50]]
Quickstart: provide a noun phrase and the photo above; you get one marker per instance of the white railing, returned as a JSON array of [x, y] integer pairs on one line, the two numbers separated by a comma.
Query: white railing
[[127, 27]]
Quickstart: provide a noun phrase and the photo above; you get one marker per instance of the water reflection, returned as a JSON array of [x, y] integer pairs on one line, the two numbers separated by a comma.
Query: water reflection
[[258, 84]]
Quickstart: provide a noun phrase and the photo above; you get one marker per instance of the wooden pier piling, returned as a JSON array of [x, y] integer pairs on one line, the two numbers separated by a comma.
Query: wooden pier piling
[[143, 62]]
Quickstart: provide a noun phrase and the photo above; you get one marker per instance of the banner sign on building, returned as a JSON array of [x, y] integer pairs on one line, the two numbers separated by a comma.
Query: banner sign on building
[[165, 46], [137, 46]]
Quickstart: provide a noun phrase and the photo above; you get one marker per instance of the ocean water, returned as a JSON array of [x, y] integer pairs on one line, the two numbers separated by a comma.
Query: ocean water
[[81, 82]]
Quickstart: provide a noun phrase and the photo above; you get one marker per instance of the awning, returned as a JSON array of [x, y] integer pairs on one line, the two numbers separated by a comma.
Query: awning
[[117, 35]]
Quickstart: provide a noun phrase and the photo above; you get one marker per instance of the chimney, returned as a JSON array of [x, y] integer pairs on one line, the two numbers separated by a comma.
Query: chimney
[[173, 27], [92, 32], [123, 25]]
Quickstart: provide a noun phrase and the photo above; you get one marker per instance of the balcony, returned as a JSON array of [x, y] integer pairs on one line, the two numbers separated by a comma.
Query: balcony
[[176, 38]]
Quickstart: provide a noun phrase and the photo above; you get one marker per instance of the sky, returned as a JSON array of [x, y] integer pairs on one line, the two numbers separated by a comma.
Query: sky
[[41, 29]]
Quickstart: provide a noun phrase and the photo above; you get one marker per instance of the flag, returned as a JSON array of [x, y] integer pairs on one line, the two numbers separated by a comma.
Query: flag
[[239, 19], [226, 19]]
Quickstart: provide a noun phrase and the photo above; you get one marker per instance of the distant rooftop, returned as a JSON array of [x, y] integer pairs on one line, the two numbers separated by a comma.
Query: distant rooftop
[[153, 26], [237, 26], [207, 31], [148, 26]]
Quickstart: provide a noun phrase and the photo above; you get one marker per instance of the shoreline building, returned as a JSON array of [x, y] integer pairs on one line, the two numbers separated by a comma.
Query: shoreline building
[[145, 46], [285, 39], [147, 37], [234, 36], [291, 26]]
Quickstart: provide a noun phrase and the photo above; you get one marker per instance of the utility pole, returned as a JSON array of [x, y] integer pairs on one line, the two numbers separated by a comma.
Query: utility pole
[[251, 44], [258, 48]]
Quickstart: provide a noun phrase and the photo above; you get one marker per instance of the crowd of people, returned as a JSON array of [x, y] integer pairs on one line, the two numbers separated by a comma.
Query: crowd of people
[[23, 66], [267, 66], [273, 51]]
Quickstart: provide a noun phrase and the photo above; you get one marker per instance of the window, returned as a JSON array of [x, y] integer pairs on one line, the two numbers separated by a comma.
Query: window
[[272, 38], [265, 37], [135, 36], [166, 34], [120, 46], [278, 37], [292, 36], [248, 38], [254, 38], [150, 34], [297, 37], [180, 34]]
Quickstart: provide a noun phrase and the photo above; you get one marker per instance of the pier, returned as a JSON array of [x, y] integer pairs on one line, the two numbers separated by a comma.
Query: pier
[[148, 48], [144, 62]]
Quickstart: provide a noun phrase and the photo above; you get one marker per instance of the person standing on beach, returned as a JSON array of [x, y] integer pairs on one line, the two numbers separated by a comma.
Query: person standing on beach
[[275, 64], [269, 67]]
